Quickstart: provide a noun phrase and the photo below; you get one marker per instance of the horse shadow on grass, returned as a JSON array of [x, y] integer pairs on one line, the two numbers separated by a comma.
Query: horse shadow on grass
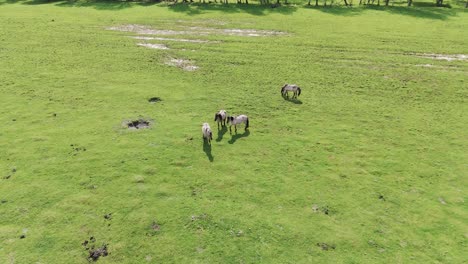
[[236, 136], [292, 100], [221, 133], [207, 150]]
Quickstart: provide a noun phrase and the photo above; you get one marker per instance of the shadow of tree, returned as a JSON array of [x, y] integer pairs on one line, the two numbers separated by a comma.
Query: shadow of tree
[[101, 4], [221, 133], [253, 9], [421, 10], [235, 137], [207, 150]]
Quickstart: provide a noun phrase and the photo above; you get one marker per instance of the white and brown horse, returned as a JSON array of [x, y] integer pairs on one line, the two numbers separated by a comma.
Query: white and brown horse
[[221, 117], [236, 120], [290, 88], [207, 134]]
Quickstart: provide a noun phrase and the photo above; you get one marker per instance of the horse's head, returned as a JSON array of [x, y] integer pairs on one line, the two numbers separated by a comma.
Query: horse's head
[[217, 117]]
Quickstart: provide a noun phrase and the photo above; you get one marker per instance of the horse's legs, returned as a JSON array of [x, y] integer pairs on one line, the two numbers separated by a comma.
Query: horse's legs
[[235, 128], [230, 131]]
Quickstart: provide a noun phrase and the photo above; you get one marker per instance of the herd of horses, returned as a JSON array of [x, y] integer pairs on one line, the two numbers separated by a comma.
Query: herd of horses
[[221, 117]]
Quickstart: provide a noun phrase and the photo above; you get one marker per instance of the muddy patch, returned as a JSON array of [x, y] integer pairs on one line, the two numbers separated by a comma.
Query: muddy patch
[[75, 149], [146, 30], [202, 31], [185, 65], [325, 246], [138, 124], [236, 32], [154, 229], [94, 253], [153, 46], [321, 209], [446, 57], [154, 100], [175, 39]]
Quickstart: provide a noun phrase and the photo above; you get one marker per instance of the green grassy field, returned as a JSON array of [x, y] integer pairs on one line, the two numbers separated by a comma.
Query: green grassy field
[[369, 166]]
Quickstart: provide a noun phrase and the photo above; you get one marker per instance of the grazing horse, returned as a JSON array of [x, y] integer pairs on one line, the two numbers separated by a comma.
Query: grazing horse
[[220, 117], [235, 120], [291, 87], [206, 130]]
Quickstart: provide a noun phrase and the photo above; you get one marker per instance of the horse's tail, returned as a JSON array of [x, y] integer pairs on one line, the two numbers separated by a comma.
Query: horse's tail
[[299, 91], [247, 123]]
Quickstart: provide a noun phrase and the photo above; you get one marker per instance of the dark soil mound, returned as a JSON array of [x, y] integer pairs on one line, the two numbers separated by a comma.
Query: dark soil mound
[[154, 100], [138, 124], [95, 254]]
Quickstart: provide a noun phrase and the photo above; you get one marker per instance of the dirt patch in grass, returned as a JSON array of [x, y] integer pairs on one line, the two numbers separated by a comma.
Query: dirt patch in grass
[[153, 46], [154, 229], [436, 67], [94, 253], [138, 124], [324, 209], [236, 32], [325, 246], [145, 30], [202, 31], [175, 39], [76, 149], [154, 100], [185, 65], [447, 57]]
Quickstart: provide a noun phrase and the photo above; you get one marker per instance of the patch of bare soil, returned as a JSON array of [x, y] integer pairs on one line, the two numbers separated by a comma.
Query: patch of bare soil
[[175, 39], [324, 209], [75, 149], [154, 229], [146, 30], [236, 32], [153, 46], [325, 246], [436, 67], [447, 57], [185, 65], [154, 100], [137, 124], [94, 253]]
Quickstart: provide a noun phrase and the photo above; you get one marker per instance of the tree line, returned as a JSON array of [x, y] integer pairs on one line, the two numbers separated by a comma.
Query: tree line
[[438, 3]]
